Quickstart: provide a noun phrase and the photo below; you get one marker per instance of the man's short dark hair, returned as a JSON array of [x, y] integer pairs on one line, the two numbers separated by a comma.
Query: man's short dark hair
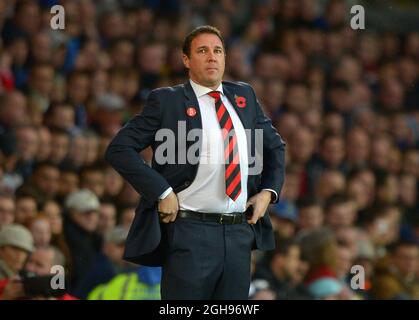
[[282, 247], [90, 168], [308, 202], [196, 32], [337, 199], [44, 164], [393, 248]]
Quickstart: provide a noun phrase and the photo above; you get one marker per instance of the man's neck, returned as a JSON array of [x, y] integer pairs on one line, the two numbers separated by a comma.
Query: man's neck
[[213, 87]]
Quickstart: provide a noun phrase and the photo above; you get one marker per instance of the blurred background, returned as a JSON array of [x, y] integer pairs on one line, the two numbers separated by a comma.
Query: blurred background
[[345, 101]]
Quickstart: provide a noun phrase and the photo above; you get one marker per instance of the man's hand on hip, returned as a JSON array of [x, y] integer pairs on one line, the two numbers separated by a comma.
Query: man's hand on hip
[[168, 208], [260, 203]]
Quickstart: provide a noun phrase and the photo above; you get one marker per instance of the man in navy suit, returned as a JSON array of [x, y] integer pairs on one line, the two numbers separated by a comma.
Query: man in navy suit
[[201, 214]]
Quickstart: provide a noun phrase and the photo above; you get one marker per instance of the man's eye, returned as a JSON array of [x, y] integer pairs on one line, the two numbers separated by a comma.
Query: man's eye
[[218, 51], [201, 50]]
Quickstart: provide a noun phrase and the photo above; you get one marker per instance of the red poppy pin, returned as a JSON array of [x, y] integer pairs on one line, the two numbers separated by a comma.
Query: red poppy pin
[[191, 111], [240, 101]]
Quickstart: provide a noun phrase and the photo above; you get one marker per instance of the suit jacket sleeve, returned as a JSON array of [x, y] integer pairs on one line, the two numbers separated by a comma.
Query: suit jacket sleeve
[[273, 172], [123, 151]]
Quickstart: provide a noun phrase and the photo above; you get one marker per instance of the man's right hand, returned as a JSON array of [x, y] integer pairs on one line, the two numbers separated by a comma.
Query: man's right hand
[[168, 208]]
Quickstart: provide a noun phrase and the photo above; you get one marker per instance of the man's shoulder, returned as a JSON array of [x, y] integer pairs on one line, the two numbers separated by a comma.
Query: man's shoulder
[[237, 85], [167, 91]]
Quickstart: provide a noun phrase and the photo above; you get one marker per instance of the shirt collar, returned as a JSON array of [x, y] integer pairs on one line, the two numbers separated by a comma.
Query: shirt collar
[[201, 90]]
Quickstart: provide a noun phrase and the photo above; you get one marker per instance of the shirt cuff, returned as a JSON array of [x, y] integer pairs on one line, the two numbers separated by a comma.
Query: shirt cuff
[[274, 197], [166, 193]]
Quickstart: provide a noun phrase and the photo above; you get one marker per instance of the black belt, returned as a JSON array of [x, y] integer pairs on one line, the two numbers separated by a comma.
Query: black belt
[[221, 218]]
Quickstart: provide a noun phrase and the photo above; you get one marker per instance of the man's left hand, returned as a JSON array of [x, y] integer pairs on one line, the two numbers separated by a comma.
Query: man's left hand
[[260, 203]]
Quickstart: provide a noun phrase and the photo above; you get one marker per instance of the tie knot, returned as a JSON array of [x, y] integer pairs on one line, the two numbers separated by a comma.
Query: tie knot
[[215, 95]]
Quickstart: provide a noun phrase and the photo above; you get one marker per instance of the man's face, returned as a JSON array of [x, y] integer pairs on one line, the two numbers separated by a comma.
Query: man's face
[[69, 182], [406, 258], [42, 80], [53, 211], [41, 232], [341, 215], [107, 217], [94, 181], [78, 89], [25, 209], [303, 146], [14, 258], [292, 261], [44, 147], [60, 144], [63, 117], [15, 110], [7, 211], [311, 217], [206, 61], [40, 262], [87, 220], [114, 252], [47, 179], [27, 143], [334, 151], [285, 227]]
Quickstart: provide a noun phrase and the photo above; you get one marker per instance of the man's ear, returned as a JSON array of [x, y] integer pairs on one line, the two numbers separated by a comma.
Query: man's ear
[[185, 60]]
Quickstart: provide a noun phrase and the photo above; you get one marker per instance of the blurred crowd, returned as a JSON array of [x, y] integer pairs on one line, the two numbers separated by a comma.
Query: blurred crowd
[[345, 101]]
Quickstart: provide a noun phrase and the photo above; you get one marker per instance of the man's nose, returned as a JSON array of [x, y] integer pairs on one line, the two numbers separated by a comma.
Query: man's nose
[[211, 56]]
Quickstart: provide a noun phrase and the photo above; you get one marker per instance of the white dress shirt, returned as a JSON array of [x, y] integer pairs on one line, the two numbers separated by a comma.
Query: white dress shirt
[[207, 193]]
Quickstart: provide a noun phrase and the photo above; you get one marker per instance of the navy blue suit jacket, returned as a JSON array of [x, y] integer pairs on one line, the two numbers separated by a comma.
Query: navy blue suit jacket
[[147, 241]]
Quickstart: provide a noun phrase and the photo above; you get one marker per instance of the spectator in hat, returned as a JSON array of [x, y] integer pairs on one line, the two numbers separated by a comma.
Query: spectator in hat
[[42, 260], [80, 226], [284, 215], [39, 264], [16, 243], [106, 264], [108, 118]]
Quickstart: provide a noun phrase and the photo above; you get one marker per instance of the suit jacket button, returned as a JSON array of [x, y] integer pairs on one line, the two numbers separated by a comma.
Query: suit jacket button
[[187, 183]]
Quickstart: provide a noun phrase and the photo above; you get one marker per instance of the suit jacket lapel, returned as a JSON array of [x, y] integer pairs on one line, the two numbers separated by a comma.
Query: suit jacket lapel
[[193, 122], [191, 101], [240, 113]]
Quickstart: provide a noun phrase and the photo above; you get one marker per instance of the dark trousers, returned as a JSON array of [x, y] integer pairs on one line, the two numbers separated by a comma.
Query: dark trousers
[[207, 260]]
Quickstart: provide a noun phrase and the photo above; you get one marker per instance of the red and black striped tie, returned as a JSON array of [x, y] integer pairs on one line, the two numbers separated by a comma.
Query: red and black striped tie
[[231, 152]]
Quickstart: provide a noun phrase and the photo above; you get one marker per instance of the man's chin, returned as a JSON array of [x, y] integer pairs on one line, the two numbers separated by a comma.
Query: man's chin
[[212, 82]]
